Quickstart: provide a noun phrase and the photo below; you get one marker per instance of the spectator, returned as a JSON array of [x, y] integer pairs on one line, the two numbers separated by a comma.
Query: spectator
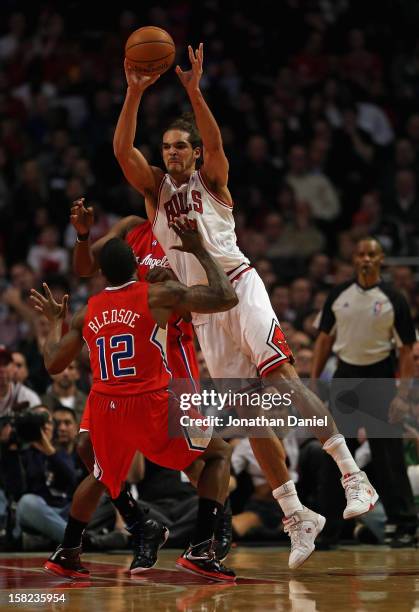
[[20, 370], [371, 221], [318, 271], [13, 396], [403, 280], [280, 300], [403, 202], [316, 189], [47, 257], [301, 292], [50, 480], [66, 427], [266, 271], [260, 510], [300, 238], [64, 392]]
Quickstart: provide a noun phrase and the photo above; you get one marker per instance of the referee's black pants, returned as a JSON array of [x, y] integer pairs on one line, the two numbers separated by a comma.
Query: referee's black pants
[[372, 401]]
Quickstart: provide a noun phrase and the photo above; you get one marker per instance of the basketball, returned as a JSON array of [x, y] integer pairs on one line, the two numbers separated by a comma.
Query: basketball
[[150, 50]]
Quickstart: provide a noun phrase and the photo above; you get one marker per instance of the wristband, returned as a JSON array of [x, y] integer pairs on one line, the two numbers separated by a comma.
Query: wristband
[[82, 237]]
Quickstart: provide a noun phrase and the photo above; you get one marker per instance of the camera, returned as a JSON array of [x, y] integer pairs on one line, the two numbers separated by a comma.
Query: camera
[[29, 425]]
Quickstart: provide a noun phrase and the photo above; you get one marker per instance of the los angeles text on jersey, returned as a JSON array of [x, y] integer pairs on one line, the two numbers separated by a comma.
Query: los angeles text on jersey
[[106, 317], [153, 262], [178, 205]]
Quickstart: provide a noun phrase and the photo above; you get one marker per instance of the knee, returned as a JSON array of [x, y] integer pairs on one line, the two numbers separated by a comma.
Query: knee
[[29, 504], [220, 449]]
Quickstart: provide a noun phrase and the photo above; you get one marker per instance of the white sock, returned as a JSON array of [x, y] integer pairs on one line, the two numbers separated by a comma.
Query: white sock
[[287, 498], [336, 448]]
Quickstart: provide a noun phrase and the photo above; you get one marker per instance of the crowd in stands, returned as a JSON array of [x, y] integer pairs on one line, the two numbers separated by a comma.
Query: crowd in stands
[[320, 123]]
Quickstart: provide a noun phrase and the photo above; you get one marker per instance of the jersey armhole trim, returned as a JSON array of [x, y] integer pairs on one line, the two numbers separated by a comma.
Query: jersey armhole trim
[[156, 213], [212, 194]]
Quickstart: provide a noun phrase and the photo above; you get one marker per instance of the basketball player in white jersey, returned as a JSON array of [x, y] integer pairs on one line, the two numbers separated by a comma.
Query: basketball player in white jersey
[[246, 342]]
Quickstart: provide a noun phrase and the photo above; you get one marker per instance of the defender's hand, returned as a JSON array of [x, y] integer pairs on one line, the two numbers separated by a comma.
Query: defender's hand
[[190, 78], [138, 82], [187, 231], [48, 306], [81, 217]]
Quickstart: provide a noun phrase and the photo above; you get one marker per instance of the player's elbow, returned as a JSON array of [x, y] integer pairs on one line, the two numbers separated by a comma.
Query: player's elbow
[[120, 152], [121, 149], [228, 301]]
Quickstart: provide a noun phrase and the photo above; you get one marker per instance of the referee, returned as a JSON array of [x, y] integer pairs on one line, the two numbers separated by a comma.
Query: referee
[[364, 320]]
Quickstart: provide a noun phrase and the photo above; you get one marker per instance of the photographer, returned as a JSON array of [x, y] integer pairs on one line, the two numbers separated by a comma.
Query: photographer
[[49, 478]]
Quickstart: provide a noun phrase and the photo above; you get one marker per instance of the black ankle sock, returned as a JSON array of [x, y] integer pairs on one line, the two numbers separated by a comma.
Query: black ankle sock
[[209, 512], [128, 509], [73, 533]]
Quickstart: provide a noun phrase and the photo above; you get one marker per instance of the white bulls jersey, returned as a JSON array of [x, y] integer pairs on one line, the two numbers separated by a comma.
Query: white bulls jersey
[[243, 342], [215, 224]]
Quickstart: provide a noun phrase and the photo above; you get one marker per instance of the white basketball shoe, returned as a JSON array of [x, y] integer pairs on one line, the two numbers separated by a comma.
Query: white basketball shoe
[[303, 527], [360, 495]]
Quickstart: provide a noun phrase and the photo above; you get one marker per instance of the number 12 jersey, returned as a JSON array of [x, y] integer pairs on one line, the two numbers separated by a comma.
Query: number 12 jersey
[[127, 348]]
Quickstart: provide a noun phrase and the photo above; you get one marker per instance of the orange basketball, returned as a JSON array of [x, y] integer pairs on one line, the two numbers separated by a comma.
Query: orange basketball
[[150, 50]]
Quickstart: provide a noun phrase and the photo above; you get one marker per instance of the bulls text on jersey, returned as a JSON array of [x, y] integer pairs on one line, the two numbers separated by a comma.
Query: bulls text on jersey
[[178, 205]]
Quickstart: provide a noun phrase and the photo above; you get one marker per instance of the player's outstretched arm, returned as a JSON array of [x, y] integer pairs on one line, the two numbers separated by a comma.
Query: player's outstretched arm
[[215, 166], [217, 296], [85, 254], [82, 219], [59, 352], [138, 172]]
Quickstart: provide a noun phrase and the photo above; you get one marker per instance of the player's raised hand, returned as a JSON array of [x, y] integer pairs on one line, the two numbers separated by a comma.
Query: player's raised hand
[[48, 306], [138, 82], [187, 231], [81, 216], [190, 78]]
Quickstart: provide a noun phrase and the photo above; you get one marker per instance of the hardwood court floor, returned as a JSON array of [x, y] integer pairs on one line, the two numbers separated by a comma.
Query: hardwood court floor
[[357, 579]]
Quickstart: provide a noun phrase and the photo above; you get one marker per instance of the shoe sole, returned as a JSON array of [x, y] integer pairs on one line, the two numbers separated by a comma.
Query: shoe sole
[[371, 506], [139, 570], [181, 564], [319, 529], [57, 570]]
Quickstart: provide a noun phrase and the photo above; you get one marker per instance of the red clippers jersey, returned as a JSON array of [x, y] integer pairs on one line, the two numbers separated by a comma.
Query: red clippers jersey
[[126, 346], [180, 335]]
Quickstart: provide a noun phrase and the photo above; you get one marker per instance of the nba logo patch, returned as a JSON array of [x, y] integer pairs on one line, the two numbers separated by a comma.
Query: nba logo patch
[[154, 243], [112, 405], [377, 308]]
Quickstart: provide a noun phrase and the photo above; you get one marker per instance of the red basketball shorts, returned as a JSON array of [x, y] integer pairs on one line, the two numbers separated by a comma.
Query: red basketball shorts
[[120, 426]]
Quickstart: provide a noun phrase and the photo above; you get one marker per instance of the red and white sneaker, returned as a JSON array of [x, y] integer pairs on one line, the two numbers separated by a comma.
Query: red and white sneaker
[[66, 562], [200, 559], [303, 527], [360, 495]]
